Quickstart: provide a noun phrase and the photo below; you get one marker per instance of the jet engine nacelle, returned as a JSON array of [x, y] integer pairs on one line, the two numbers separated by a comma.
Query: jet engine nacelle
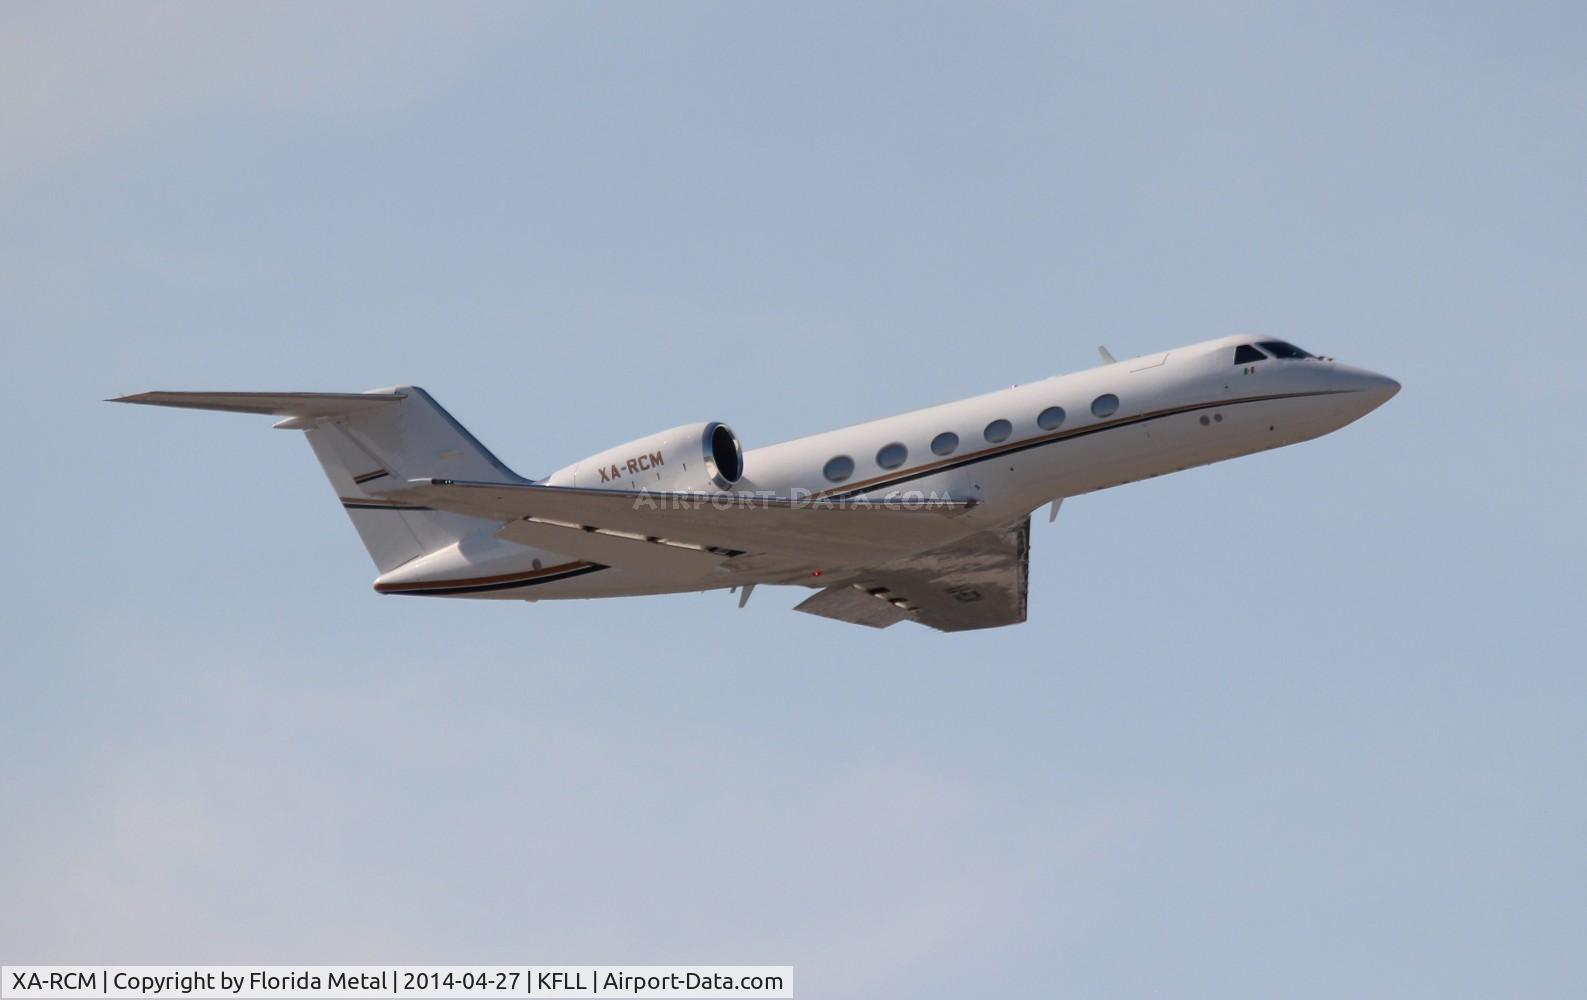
[[703, 456]]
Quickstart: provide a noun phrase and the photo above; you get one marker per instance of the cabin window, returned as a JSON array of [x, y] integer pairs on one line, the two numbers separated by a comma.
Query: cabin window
[[1279, 349], [1051, 418], [1245, 354], [892, 456], [998, 430], [838, 468], [1105, 405], [945, 443]]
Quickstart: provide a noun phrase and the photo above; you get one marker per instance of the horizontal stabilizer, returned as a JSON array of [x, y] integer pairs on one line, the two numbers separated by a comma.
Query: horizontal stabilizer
[[364, 440], [276, 404]]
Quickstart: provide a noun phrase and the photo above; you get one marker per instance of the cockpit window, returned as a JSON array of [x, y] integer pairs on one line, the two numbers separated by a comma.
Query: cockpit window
[[1279, 349], [1245, 354]]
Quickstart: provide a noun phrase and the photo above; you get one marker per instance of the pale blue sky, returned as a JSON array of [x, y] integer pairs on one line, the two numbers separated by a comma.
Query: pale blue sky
[[1307, 724]]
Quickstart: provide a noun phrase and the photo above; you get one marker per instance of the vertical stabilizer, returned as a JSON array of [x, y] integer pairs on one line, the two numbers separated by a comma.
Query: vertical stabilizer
[[369, 451], [367, 442]]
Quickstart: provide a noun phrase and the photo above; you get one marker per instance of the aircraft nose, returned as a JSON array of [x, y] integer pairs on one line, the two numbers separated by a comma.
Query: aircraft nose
[[1380, 386], [1366, 390]]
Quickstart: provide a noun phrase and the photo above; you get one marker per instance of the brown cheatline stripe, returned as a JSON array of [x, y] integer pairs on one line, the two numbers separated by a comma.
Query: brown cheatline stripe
[[508, 585], [372, 503], [485, 581], [986, 454]]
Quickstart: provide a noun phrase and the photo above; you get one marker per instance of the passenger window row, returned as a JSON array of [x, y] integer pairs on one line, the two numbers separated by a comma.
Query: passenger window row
[[891, 456]]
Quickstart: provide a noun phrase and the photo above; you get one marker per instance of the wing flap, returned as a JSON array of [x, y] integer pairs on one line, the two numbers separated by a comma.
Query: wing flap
[[628, 552], [977, 582], [851, 604]]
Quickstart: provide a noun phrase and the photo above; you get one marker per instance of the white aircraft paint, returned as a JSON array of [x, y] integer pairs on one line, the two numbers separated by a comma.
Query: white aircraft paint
[[915, 530]]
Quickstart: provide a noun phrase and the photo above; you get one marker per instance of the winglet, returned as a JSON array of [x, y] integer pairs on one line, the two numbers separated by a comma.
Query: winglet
[[1107, 356]]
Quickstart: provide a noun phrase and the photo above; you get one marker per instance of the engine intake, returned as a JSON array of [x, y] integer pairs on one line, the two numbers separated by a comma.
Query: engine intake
[[724, 457]]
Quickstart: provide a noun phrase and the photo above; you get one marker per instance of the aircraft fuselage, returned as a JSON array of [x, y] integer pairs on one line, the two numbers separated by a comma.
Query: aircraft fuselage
[[1169, 412], [921, 515]]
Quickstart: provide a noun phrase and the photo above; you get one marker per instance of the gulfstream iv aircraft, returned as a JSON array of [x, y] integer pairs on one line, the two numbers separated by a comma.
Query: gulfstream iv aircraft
[[923, 517]]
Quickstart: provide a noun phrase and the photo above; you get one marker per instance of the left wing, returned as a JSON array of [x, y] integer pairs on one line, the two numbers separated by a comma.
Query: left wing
[[844, 532], [976, 582]]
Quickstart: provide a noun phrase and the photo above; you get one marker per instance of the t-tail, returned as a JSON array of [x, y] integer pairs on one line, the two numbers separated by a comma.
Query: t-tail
[[369, 442]]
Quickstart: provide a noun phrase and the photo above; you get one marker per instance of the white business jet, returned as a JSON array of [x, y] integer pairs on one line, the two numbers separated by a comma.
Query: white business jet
[[924, 516]]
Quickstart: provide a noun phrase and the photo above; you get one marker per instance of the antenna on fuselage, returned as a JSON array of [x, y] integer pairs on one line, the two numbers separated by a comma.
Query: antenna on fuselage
[[1107, 356]]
